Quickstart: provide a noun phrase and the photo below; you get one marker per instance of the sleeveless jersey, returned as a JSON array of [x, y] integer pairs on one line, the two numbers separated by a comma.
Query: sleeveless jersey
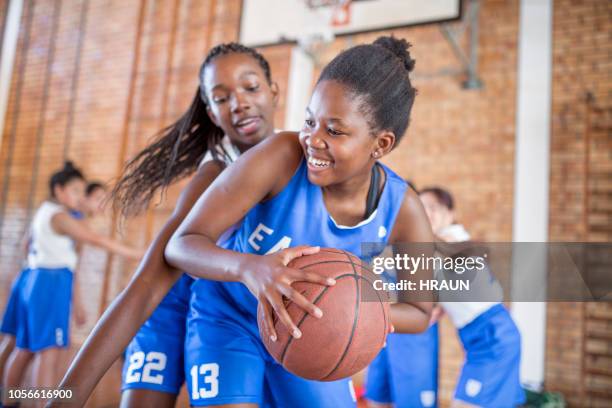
[[47, 248], [298, 216]]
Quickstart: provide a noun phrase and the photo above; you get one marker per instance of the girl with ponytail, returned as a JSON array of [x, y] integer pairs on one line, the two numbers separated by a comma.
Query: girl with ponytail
[[232, 110], [39, 318]]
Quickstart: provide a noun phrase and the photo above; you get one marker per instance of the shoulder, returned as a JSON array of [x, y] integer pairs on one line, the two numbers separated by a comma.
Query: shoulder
[[284, 143], [210, 166], [51, 209], [281, 152]]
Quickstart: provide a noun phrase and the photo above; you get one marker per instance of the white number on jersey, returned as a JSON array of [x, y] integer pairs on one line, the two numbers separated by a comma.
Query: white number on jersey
[[155, 361], [210, 371]]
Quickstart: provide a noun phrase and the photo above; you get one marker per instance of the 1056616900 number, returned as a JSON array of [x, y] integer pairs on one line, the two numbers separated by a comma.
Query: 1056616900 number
[[17, 394]]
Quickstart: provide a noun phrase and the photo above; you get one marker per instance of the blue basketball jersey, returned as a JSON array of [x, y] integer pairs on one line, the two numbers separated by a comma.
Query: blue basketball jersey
[[226, 361], [298, 216]]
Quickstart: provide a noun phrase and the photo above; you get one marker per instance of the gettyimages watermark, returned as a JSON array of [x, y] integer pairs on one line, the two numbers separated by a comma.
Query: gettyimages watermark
[[488, 272]]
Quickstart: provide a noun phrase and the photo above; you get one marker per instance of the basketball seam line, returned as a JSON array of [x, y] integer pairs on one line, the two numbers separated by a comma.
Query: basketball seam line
[[329, 262], [318, 298], [306, 314], [355, 319], [316, 301]]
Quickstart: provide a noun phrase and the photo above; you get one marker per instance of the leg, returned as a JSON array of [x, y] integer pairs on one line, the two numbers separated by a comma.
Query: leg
[[44, 370], [153, 371], [6, 348], [134, 398], [372, 404], [15, 368]]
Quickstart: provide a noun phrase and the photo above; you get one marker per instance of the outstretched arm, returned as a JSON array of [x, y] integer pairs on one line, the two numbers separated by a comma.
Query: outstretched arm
[[120, 322], [79, 231]]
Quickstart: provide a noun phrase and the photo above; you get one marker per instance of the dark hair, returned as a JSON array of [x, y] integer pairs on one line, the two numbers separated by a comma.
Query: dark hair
[[443, 196], [378, 74], [179, 148], [64, 176], [93, 186]]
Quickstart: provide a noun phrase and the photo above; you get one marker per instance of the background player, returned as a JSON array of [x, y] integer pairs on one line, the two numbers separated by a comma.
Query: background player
[[91, 206], [492, 343], [45, 286]]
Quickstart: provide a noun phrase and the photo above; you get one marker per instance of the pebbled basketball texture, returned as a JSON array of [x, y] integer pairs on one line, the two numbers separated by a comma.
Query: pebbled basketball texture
[[350, 333]]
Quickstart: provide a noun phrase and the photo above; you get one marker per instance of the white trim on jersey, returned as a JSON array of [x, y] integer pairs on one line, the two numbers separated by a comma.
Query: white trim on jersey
[[226, 150]]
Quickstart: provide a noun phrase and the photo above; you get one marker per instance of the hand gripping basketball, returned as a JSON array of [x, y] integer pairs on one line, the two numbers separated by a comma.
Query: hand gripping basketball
[[351, 332], [269, 279]]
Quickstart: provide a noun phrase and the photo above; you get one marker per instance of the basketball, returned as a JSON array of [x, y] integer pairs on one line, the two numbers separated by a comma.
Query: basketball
[[352, 330]]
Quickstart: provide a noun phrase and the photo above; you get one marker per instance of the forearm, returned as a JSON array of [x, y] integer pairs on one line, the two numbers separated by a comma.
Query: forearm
[[199, 256], [118, 248], [409, 318]]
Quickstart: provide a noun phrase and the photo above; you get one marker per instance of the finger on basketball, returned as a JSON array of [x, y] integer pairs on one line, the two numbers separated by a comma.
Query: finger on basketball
[[290, 254], [283, 315], [301, 301], [298, 275], [267, 320]]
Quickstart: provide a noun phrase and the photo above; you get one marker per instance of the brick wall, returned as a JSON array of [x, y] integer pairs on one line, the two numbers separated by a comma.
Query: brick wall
[[581, 65], [140, 58], [462, 139]]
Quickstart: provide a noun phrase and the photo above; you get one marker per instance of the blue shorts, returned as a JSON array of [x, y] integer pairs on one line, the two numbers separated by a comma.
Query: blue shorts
[[405, 373], [490, 374], [226, 362], [154, 358], [10, 319], [43, 308]]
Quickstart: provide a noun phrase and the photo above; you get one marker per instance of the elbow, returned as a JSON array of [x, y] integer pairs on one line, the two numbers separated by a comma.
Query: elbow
[[172, 251], [422, 325]]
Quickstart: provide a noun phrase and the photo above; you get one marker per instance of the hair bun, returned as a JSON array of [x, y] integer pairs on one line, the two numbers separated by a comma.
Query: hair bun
[[69, 165], [399, 47]]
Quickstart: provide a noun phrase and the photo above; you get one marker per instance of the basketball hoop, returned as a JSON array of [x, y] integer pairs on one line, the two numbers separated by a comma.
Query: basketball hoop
[[315, 44], [342, 14], [331, 14], [341, 10]]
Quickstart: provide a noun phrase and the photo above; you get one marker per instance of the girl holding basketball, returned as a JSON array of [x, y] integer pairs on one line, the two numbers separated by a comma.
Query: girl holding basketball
[[233, 110], [289, 191]]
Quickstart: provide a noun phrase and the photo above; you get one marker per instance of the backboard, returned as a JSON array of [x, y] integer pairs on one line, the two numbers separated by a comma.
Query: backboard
[[269, 22]]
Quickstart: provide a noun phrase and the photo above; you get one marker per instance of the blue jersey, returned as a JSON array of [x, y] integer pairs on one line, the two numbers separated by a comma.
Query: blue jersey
[[226, 361], [298, 216]]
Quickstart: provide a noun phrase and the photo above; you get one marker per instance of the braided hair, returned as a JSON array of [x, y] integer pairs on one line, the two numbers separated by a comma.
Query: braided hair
[[178, 148]]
